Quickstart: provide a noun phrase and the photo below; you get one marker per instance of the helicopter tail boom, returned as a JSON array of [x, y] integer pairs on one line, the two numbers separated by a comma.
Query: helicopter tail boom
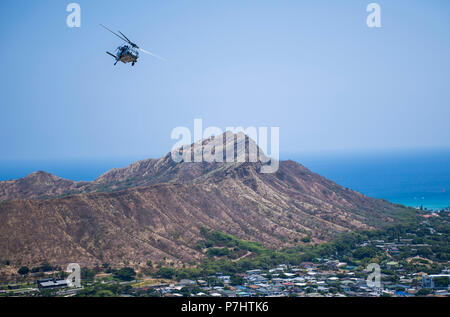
[[111, 55]]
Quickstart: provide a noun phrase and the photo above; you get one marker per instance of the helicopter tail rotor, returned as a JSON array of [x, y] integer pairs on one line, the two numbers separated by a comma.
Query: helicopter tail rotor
[[111, 55]]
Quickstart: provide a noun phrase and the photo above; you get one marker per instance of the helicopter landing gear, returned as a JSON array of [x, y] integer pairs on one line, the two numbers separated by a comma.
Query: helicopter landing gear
[[132, 64]]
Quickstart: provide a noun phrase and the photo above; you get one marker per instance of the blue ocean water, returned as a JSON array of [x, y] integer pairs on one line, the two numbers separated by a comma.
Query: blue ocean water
[[74, 169], [412, 178]]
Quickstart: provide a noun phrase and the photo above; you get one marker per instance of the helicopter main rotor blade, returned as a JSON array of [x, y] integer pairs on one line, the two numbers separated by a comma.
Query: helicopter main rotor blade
[[132, 44], [115, 34], [154, 55]]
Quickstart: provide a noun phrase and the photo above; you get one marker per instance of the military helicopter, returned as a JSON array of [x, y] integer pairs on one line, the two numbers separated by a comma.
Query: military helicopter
[[128, 53]]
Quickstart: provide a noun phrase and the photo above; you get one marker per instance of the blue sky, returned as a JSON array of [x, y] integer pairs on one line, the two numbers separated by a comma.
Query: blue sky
[[312, 68]]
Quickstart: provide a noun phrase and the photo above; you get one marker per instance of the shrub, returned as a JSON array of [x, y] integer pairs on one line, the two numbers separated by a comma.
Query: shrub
[[306, 239], [24, 270]]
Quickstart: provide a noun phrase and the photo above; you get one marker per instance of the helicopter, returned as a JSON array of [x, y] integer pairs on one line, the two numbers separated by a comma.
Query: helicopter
[[128, 53]]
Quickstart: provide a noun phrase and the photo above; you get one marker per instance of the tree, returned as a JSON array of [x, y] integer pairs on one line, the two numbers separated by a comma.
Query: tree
[[236, 280], [188, 290], [365, 252], [424, 291], [87, 274], [442, 281], [125, 274], [217, 252], [105, 265], [104, 293], [424, 252], [306, 239], [24, 270], [46, 267], [165, 272]]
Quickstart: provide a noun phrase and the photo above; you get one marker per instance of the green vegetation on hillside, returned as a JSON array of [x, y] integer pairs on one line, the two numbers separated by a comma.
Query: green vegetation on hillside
[[230, 255]]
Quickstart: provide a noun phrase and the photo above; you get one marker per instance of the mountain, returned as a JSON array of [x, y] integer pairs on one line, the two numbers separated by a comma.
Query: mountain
[[156, 208], [41, 185], [36, 185]]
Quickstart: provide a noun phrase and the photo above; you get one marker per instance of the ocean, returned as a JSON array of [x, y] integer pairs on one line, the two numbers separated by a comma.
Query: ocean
[[411, 178]]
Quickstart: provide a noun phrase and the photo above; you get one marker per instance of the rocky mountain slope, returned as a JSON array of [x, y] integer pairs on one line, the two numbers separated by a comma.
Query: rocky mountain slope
[[36, 185], [154, 209]]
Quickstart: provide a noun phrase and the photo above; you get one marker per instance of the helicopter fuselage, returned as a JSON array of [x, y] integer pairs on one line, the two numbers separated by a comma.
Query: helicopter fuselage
[[127, 54]]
